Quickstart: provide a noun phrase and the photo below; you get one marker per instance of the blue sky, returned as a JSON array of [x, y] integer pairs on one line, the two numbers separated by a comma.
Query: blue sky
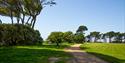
[[68, 15]]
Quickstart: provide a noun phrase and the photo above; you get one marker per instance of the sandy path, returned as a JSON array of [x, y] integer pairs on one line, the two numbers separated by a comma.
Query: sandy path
[[81, 56]]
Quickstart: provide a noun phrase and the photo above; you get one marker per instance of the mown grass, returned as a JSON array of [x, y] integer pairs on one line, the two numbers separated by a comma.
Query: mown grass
[[32, 54], [111, 52]]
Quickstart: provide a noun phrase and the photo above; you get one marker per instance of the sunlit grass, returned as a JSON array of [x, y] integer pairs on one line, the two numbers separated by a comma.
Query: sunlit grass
[[31, 54], [112, 52]]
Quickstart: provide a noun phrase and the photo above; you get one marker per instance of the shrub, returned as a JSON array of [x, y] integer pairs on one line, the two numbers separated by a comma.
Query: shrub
[[18, 34]]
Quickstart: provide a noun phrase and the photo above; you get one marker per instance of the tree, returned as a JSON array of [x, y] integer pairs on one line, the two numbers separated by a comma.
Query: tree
[[11, 8], [81, 29], [123, 37], [119, 37], [79, 38], [18, 34], [0, 21], [22, 8], [110, 35], [56, 37], [96, 35], [68, 36], [104, 37], [88, 38]]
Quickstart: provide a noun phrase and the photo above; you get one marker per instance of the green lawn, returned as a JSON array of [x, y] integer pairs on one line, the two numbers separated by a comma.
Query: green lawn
[[111, 52], [32, 54]]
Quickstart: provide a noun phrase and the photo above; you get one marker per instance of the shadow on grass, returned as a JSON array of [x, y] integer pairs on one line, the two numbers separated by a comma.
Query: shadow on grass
[[62, 46], [55, 46], [108, 58], [83, 48], [24, 55]]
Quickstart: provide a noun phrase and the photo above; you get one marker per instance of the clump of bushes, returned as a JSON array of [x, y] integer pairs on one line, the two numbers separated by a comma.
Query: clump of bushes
[[18, 34]]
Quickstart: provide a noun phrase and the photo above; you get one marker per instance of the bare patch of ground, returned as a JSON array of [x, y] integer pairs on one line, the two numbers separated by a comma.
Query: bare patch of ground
[[82, 57]]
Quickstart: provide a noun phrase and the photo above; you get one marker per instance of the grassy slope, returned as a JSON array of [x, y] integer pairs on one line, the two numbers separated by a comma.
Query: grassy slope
[[114, 53], [31, 54]]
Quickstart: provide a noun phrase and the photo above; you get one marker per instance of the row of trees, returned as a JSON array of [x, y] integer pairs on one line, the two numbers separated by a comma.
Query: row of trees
[[79, 36], [25, 11], [59, 37], [106, 37]]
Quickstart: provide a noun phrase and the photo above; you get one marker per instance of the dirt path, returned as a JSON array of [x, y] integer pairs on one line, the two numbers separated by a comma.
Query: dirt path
[[80, 56]]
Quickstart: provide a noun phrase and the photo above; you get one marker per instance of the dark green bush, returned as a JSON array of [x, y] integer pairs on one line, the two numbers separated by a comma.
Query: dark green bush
[[18, 34]]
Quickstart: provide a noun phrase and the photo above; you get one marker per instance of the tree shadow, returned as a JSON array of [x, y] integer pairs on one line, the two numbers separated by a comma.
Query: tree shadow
[[55, 46], [108, 58], [25, 55], [83, 48]]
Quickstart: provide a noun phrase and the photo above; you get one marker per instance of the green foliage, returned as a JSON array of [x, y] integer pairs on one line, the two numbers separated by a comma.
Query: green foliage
[[110, 35], [79, 38], [96, 35], [55, 37], [119, 37], [79, 35], [112, 52], [23, 8], [18, 34], [68, 37], [60, 37], [32, 54], [88, 38], [81, 29]]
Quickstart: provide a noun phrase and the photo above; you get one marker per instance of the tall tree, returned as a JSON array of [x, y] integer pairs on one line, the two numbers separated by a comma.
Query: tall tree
[[104, 37], [119, 37], [79, 36], [88, 38], [95, 35], [81, 29], [123, 37], [22, 8], [110, 35]]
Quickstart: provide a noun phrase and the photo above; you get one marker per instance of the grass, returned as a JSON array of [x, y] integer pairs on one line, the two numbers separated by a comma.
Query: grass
[[111, 52], [32, 54]]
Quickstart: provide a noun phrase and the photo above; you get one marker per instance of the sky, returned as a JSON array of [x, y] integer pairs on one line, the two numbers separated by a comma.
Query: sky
[[68, 15]]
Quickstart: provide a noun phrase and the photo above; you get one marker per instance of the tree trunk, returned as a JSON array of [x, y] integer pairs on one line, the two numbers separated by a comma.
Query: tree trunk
[[57, 44], [18, 20], [28, 20], [0, 21], [23, 19], [11, 16], [31, 24], [110, 40], [95, 39], [105, 40], [34, 22]]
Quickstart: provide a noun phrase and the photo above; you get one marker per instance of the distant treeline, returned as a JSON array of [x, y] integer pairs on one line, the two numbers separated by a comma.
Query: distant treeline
[[79, 36], [111, 37]]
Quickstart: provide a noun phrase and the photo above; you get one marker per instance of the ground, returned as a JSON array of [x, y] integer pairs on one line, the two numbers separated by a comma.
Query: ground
[[111, 52], [77, 53], [82, 57]]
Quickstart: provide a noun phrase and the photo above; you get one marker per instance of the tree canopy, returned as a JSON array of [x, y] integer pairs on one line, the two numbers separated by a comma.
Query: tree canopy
[[20, 9]]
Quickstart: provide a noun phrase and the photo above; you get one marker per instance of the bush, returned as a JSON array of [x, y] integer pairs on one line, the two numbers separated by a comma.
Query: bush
[[18, 34], [79, 38], [56, 37]]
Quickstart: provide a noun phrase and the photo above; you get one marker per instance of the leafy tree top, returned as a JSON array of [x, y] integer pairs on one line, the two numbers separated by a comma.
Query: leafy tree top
[[81, 29]]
